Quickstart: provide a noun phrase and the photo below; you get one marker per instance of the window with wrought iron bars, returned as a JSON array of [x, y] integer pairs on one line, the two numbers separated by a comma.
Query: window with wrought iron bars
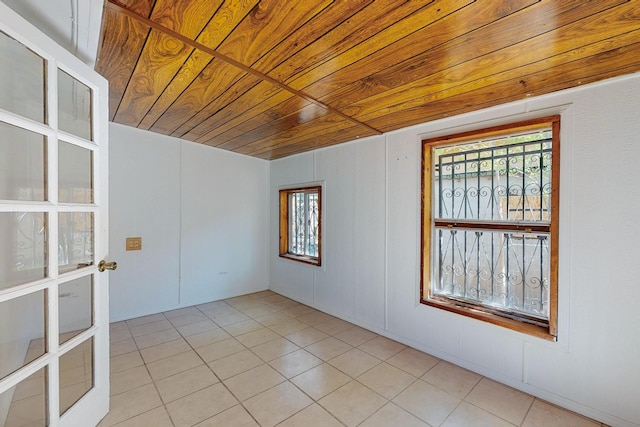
[[490, 225], [300, 224]]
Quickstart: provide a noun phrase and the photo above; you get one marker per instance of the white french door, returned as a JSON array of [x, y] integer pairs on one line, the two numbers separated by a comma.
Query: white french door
[[54, 346]]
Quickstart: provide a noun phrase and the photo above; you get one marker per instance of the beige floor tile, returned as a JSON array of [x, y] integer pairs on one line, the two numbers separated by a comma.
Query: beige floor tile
[[185, 383], [199, 406], [321, 380], [258, 311], [295, 363], [118, 326], [253, 381], [145, 319], [354, 362], [188, 319], [157, 338], [272, 318], [243, 327], [306, 336], [452, 379], [352, 403], [257, 337], [229, 318], [393, 415], [124, 381], [501, 400], [543, 414], [328, 348], [208, 337], [467, 415], [274, 349], [119, 335], [132, 403], [413, 361], [232, 417], [386, 380], [284, 304], [171, 348], [288, 326], [213, 305], [168, 366], [219, 349], [312, 416], [298, 311], [333, 326], [148, 328], [356, 336], [427, 402], [382, 348], [158, 417], [125, 361], [122, 347], [197, 327], [315, 318], [181, 312], [234, 364], [277, 404]]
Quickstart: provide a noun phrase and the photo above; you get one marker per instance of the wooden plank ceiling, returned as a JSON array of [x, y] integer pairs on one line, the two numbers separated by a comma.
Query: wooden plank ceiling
[[271, 78]]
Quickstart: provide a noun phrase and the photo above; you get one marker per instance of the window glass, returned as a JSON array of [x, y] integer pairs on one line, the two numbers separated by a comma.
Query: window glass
[[300, 225]]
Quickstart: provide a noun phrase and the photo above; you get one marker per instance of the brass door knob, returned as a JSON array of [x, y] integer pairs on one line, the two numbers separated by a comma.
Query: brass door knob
[[104, 265]]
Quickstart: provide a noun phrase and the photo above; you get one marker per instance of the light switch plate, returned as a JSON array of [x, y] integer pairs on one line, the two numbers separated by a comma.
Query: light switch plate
[[134, 243]]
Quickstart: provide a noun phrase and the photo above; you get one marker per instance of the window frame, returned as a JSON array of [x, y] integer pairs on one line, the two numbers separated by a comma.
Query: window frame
[[285, 222], [427, 297]]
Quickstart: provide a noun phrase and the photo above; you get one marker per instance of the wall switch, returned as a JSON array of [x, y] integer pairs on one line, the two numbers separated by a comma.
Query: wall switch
[[134, 243]]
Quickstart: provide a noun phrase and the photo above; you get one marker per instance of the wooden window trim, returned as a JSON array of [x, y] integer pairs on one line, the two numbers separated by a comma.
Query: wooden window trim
[[549, 332], [284, 225]]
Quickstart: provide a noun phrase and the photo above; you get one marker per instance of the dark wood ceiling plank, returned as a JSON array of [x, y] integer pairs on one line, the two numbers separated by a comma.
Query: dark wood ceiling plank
[[291, 121], [394, 31], [510, 31], [254, 118], [249, 105], [160, 60], [587, 37], [357, 29], [206, 89], [141, 7], [196, 126], [119, 50], [266, 25], [569, 74]]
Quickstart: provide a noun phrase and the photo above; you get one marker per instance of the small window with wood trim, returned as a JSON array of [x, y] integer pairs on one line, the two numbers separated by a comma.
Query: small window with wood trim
[[300, 224], [490, 225]]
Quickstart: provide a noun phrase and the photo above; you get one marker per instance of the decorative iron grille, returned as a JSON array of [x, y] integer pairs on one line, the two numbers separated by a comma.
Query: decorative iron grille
[[303, 233], [492, 216]]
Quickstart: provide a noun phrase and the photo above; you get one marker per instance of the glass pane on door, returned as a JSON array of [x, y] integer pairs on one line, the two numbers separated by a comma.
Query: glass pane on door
[[76, 374], [24, 341], [74, 106], [27, 402], [75, 174], [22, 164], [22, 80], [23, 247], [75, 240], [75, 307]]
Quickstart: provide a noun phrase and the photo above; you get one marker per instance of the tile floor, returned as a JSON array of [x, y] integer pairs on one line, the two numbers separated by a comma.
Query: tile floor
[[265, 360]]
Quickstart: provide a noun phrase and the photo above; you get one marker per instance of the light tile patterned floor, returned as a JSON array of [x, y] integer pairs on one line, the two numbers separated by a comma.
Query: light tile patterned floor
[[265, 360]]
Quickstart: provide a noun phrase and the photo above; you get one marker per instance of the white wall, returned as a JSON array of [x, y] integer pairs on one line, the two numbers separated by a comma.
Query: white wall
[[371, 240], [202, 214]]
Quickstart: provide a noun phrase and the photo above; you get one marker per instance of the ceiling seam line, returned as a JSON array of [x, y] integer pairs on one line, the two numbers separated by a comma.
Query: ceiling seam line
[[196, 45]]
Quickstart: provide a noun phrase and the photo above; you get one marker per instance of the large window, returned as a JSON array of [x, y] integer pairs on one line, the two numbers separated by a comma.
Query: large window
[[300, 225], [490, 225]]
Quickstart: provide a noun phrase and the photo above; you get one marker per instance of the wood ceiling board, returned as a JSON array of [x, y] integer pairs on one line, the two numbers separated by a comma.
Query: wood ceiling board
[[622, 60], [187, 17], [248, 107], [141, 7], [392, 32], [269, 22], [119, 50], [274, 126], [602, 32], [225, 20], [209, 86], [256, 118]]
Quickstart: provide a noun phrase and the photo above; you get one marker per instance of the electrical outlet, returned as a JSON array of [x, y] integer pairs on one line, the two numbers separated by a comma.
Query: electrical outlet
[[134, 243]]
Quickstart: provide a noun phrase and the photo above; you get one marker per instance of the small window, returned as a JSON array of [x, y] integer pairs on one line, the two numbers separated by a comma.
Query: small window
[[300, 225], [490, 225]]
